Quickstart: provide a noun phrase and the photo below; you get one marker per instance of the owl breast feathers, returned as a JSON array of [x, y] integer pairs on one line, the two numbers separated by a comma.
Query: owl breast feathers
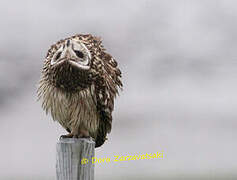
[[78, 85]]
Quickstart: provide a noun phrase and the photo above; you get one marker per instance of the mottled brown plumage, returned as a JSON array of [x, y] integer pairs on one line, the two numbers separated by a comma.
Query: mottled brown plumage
[[78, 85]]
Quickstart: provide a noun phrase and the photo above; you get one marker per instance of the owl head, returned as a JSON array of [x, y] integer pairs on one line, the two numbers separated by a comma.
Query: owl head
[[70, 63], [71, 51]]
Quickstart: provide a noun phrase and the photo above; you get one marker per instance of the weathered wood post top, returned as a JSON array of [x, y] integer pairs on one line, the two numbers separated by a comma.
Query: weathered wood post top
[[73, 159]]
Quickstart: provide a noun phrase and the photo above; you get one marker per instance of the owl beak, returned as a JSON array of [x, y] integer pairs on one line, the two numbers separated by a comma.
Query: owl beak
[[67, 51], [67, 55]]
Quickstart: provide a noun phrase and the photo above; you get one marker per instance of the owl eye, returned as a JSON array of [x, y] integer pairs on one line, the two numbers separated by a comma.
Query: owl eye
[[58, 55], [79, 54]]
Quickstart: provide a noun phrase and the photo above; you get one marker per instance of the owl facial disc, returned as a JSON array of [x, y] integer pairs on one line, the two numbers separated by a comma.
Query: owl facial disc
[[74, 52]]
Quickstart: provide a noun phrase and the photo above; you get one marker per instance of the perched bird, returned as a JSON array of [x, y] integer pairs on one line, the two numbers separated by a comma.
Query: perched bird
[[78, 85]]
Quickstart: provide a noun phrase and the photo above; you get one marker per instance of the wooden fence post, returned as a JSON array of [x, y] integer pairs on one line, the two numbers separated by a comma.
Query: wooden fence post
[[74, 159]]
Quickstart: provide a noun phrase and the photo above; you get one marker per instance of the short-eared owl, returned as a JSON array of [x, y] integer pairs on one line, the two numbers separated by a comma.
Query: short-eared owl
[[78, 85]]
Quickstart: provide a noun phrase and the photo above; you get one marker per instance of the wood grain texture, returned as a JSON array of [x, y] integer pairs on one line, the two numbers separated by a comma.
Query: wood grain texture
[[70, 152]]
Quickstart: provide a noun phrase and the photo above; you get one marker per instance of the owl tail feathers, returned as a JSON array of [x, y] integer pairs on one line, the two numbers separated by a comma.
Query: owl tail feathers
[[100, 141], [103, 129]]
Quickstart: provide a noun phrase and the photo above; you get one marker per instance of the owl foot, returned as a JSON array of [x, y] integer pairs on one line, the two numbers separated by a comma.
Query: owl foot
[[70, 135], [83, 134]]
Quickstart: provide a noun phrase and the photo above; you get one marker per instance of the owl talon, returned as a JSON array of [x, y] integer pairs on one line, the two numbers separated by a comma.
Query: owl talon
[[83, 136], [66, 136]]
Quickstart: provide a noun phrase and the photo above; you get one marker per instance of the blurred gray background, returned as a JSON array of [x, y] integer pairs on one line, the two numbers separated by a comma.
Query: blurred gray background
[[179, 66]]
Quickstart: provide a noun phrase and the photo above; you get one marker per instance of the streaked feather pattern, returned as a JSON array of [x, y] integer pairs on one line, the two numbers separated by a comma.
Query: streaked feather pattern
[[77, 98]]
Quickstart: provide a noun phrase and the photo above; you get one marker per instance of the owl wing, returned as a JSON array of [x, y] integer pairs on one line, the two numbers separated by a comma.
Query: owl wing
[[106, 89]]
